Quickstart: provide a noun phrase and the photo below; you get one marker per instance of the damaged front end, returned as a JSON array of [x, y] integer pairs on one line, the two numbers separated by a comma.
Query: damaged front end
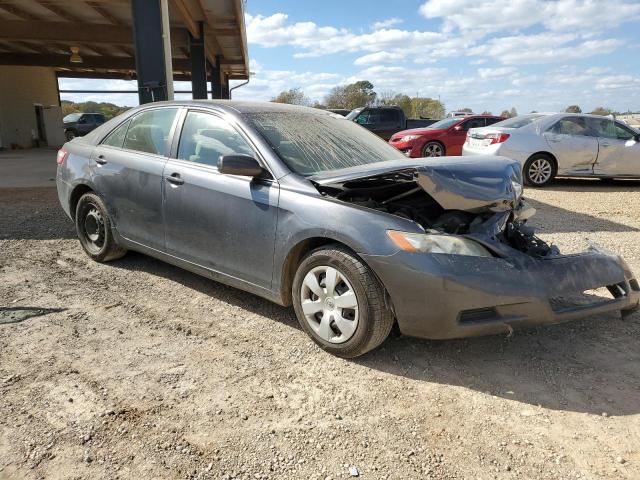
[[481, 200]]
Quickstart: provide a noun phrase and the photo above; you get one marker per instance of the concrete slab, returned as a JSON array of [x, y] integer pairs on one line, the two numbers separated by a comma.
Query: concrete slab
[[28, 168]]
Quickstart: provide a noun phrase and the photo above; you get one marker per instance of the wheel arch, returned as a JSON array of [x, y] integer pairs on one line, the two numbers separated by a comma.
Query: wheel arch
[[546, 153], [75, 195], [433, 140]]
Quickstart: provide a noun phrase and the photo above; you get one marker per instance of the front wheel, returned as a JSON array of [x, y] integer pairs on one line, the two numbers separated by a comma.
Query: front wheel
[[93, 227], [433, 149], [539, 170], [340, 303]]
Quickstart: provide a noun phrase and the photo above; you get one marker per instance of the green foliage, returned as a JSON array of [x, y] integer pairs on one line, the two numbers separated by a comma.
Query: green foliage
[[509, 113], [293, 96], [602, 111], [573, 109], [109, 110], [414, 107], [354, 95]]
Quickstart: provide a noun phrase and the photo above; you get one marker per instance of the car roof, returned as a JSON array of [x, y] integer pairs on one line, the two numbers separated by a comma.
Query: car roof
[[242, 106]]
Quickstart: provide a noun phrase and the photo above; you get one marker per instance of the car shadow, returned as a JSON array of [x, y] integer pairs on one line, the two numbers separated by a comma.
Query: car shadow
[[559, 220], [590, 366], [593, 185], [33, 214], [134, 261]]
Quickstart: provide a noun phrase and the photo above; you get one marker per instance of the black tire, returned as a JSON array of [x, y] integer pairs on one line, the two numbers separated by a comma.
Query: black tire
[[70, 135], [539, 170], [433, 149], [375, 319], [93, 227]]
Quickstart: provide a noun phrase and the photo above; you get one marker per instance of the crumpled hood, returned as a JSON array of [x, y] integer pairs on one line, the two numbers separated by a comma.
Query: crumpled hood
[[473, 184]]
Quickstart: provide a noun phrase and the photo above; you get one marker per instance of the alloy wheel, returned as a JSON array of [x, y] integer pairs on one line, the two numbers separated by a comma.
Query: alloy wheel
[[540, 171], [433, 150], [329, 304]]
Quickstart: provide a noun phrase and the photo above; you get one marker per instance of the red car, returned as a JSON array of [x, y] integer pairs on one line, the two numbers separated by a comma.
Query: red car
[[445, 137]]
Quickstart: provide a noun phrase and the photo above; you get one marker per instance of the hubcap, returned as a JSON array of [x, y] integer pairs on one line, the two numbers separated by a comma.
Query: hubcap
[[540, 171], [329, 304], [432, 150]]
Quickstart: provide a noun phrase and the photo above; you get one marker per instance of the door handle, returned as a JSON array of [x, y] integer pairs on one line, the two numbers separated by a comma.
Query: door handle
[[100, 160], [175, 179]]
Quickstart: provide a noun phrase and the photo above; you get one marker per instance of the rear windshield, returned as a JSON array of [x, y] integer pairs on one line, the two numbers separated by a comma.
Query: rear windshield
[[446, 123], [314, 143], [72, 117], [518, 122]]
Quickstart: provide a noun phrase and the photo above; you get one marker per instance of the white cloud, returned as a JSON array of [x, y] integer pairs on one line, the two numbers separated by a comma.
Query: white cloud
[[496, 72], [511, 15], [377, 57], [389, 22]]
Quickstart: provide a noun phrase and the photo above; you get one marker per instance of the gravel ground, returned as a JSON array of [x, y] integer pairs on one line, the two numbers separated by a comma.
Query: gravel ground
[[137, 369]]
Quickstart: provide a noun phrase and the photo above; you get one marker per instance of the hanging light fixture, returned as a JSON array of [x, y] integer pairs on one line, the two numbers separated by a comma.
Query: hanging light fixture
[[75, 56]]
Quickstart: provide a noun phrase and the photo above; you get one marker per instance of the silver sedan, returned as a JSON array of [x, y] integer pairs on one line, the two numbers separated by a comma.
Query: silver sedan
[[561, 144]]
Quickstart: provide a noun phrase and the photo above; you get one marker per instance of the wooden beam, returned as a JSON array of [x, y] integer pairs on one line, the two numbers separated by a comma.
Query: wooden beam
[[59, 11], [112, 75], [18, 12], [90, 33], [98, 7], [190, 22], [89, 62]]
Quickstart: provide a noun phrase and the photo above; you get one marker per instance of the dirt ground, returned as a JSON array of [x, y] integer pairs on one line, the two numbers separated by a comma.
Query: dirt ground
[[139, 370]]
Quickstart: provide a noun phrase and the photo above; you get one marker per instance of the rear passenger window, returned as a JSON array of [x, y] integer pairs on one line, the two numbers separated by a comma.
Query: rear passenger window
[[491, 121], [116, 137], [572, 126], [206, 137], [149, 131]]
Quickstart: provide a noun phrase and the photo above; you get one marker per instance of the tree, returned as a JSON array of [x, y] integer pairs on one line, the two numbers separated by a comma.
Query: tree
[[465, 110], [109, 110], [398, 99], [573, 109], [354, 95], [602, 111], [425, 107], [513, 112], [293, 96], [487, 112]]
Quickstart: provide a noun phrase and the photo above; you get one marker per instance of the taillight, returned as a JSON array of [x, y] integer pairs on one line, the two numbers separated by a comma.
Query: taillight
[[62, 156], [497, 137]]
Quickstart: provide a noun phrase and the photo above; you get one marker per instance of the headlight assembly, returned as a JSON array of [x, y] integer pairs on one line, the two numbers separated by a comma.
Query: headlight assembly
[[428, 243], [408, 138]]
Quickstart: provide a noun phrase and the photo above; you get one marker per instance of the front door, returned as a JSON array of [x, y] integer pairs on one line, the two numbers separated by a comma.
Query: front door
[[619, 149], [226, 223], [574, 145], [128, 168], [458, 134]]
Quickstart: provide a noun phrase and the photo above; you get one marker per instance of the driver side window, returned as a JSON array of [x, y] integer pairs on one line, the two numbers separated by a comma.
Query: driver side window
[[206, 137]]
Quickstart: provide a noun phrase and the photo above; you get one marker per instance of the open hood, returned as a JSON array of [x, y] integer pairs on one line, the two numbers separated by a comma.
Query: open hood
[[472, 184]]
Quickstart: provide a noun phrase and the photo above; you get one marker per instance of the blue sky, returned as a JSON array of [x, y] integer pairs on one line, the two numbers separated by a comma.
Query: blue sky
[[531, 54]]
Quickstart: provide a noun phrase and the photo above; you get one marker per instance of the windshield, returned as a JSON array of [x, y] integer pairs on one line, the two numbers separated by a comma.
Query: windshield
[[521, 121], [314, 143], [72, 117], [446, 123], [353, 113]]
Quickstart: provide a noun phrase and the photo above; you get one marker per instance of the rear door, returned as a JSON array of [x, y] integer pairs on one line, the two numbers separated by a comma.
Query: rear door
[[128, 167], [456, 136], [226, 223], [619, 153], [572, 142]]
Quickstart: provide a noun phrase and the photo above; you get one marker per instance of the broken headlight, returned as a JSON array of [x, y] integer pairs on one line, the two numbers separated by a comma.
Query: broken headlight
[[428, 243]]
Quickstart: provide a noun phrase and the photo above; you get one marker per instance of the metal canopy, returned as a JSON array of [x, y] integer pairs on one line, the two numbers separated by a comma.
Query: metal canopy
[[43, 33]]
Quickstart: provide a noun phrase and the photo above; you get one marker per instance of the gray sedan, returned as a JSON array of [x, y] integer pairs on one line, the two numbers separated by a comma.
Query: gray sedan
[[303, 207], [561, 144]]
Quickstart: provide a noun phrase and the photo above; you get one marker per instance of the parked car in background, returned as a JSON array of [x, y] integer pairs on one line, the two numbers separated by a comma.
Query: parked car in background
[[561, 144], [301, 207], [385, 121], [79, 124], [445, 137], [340, 111], [460, 114]]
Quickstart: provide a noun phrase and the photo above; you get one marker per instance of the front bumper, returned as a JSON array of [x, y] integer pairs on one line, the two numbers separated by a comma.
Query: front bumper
[[440, 296], [411, 149]]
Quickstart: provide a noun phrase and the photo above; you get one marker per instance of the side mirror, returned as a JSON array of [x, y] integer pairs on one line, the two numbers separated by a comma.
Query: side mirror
[[243, 165]]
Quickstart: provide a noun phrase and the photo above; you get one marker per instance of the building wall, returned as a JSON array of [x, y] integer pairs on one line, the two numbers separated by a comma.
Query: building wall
[[20, 89]]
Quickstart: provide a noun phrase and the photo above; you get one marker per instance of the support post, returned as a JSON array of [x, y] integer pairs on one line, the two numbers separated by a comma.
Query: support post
[[151, 68], [198, 65], [225, 87], [216, 86]]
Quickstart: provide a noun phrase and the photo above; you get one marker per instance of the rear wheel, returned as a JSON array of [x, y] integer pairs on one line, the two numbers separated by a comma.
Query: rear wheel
[[70, 135], [539, 170], [340, 303], [94, 229], [433, 149]]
